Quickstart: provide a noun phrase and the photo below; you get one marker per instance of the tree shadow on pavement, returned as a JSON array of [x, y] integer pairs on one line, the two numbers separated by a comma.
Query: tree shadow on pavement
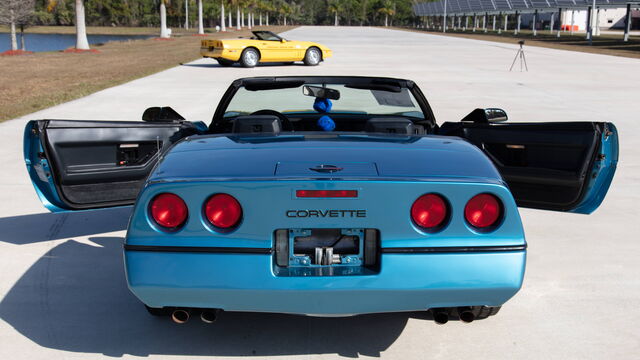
[[34, 228], [75, 298]]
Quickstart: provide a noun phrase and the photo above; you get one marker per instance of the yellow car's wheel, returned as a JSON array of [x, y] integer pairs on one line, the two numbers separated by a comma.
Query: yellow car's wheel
[[312, 57], [249, 57]]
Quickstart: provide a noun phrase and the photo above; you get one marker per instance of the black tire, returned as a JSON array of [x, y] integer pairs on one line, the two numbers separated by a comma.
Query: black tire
[[158, 311], [225, 63], [485, 311], [249, 58], [312, 57]]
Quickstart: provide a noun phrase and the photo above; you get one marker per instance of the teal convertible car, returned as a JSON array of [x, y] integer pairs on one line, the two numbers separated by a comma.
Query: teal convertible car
[[326, 196]]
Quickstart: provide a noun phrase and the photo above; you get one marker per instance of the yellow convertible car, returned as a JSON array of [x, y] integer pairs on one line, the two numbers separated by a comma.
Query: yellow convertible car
[[263, 47]]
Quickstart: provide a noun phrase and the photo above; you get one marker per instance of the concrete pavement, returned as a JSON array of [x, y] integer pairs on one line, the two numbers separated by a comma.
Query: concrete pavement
[[61, 277]]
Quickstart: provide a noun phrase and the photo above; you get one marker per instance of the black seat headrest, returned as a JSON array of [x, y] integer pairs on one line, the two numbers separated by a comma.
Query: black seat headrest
[[390, 125]]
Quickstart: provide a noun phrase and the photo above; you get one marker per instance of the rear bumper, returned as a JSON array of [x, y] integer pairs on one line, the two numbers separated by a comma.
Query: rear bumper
[[247, 282]]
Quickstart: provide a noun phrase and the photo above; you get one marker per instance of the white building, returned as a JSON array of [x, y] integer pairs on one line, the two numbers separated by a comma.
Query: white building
[[608, 18]]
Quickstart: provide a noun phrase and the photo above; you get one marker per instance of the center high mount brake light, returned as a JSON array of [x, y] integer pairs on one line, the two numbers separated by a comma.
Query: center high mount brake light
[[327, 193]]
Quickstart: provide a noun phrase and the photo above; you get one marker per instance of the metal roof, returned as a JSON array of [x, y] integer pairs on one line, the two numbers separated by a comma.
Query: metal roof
[[494, 6]]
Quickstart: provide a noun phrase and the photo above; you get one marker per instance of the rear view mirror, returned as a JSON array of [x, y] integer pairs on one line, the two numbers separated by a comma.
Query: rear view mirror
[[161, 114], [321, 92], [496, 115]]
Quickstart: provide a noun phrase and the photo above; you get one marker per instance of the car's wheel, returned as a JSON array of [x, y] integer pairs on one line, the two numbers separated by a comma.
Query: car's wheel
[[158, 311], [224, 62], [312, 57], [249, 57]]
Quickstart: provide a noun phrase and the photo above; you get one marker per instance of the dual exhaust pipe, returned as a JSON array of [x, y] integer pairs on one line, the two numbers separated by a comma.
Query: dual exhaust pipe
[[183, 315], [441, 315]]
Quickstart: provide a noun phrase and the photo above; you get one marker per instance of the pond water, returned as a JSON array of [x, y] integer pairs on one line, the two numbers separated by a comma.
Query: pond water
[[54, 42]]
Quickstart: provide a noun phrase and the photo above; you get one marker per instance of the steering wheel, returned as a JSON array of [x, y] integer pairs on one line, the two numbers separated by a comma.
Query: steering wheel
[[286, 123]]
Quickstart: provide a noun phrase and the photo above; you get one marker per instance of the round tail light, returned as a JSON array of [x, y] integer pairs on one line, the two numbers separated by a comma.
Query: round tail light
[[223, 211], [429, 211], [169, 210], [483, 211]]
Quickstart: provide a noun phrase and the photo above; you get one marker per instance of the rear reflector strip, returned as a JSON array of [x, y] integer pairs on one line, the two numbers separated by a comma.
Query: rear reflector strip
[[327, 193]]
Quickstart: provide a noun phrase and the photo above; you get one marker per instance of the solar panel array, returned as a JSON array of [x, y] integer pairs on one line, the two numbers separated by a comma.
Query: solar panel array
[[495, 6]]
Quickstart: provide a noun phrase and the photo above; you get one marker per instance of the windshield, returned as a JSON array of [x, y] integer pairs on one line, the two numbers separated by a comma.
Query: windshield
[[266, 35], [352, 100]]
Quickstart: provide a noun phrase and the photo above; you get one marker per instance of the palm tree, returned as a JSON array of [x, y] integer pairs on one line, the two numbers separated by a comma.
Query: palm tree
[[200, 24], [164, 32], [222, 19], [334, 7], [388, 9], [186, 14], [82, 43]]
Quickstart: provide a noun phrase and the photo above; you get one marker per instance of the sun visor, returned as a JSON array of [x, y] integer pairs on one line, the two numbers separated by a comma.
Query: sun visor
[[401, 98]]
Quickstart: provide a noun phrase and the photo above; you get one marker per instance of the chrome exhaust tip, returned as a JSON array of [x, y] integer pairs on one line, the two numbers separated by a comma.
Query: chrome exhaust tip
[[466, 314], [440, 316], [209, 316], [181, 316]]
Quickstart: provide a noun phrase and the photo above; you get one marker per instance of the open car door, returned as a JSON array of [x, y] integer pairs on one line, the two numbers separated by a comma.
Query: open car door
[[77, 165], [562, 166]]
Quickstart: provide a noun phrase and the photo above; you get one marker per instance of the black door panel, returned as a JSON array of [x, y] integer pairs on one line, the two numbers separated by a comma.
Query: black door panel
[[545, 164], [104, 163]]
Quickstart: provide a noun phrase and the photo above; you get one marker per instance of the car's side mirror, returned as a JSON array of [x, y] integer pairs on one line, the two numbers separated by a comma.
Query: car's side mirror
[[496, 115], [161, 114], [283, 40], [484, 116]]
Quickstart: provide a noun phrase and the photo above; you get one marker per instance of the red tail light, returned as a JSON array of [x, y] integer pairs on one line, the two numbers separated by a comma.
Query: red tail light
[[327, 193], [223, 211], [483, 211], [168, 210], [429, 211]]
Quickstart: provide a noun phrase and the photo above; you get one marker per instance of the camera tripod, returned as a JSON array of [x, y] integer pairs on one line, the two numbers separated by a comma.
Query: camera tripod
[[520, 54]]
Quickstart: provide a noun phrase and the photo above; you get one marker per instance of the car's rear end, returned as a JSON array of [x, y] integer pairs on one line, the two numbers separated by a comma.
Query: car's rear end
[[283, 232], [218, 49]]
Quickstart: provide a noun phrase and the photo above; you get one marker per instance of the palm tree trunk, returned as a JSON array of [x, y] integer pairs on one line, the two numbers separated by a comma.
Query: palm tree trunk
[[186, 15], [14, 40], [285, 20], [164, 33], [238, 19], [81, 31], [242, 14], [22, 44], [260, 18], [335, 21], [249, 20], [200, 24], [267, 15], [222, 19], [386, 20], [230, 20]]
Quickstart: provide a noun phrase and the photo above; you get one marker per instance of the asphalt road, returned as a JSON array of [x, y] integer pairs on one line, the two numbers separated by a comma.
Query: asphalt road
[[61, 276]]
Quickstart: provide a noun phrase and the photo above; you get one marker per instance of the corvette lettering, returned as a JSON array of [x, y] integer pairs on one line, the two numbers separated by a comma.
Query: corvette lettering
[[326, 213]]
